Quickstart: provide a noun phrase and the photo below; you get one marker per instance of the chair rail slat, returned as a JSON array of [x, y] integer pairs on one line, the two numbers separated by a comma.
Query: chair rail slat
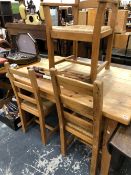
[[23, 86], [75, 85], [80, 122], [27, 98], [78, 107], [78, 134]]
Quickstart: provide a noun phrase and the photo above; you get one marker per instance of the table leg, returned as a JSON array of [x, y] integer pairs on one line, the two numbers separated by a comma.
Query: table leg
[[110, 126]]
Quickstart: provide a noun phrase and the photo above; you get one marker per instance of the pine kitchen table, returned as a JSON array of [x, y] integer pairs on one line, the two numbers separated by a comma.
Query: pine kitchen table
[[116, 102]]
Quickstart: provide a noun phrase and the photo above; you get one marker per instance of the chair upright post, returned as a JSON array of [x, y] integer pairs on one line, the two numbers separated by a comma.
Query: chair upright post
[[50, 44], [96, 40], [111, 37]]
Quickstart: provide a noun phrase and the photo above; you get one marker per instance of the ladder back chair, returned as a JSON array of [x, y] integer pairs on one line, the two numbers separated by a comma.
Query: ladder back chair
[[86, 33], [29, 100], [80, 118]]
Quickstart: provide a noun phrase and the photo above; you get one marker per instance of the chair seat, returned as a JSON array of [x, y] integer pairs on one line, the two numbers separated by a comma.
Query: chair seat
[[32, 108], [66, 32], [79, 28]]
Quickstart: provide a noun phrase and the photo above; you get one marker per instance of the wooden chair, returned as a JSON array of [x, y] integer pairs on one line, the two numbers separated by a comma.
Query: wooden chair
[[80, 118], [29, 100], [84, 33]]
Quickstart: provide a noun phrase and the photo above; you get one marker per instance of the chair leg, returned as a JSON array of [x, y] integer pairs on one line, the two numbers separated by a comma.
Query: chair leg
[[109, 51], [63, 142], [50, 46], [75, 49], [43, 129], [94, 57], [94, 64], [23, 120], [94, 160]]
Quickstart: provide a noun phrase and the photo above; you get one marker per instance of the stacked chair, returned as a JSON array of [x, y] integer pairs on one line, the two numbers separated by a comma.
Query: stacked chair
[[86, 33]]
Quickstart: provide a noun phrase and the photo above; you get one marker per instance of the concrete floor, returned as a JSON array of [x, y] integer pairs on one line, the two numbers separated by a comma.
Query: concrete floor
[[24, 154]]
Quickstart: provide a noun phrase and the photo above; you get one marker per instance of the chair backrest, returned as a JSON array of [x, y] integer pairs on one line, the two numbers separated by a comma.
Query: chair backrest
[[25, 86], [86, 102]]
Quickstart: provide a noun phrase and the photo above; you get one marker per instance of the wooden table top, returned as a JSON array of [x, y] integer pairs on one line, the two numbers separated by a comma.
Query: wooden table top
[[117, 89]]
